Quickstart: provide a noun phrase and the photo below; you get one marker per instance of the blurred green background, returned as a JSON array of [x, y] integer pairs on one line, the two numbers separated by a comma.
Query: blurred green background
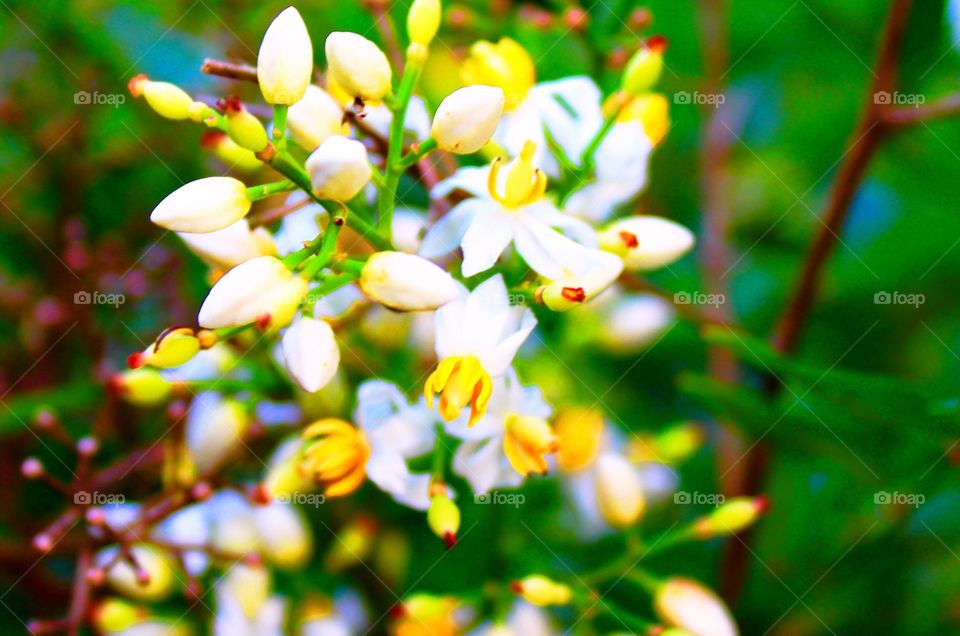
[[870, 407]]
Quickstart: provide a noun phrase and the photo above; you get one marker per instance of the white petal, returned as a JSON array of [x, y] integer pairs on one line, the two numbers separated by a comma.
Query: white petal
[[573, 227], [548, 252], [571, 112], [446, 234], [472, 180], [484, 466], [485, 240], [498, 360]]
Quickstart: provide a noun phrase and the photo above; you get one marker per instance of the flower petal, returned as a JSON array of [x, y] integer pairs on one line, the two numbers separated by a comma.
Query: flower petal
[[447, 233], [485, 240]]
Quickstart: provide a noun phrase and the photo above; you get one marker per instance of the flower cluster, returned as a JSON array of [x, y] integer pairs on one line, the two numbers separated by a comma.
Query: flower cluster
[[329, 299]]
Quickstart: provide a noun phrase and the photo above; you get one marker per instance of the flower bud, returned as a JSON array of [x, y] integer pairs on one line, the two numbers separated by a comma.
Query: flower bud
[[687, 604], [152, 579], [358, 66], [646, 242], [204, 205], [406, 282], [315, 118], [467, 118], [261, 290], [426, 614], [619, 491], [339, 168], [311, 354], [166, 99], [423, 21], [243, 127], [173, 347], [731, 517], [568, 293], [142, 387], [541, 591], [579, 435], [214, 430], [285, 60], [232, 154], [284, 537], [114, 615], [232, 245], [443, 517], [283, 475], [353, 545], [644, 68]]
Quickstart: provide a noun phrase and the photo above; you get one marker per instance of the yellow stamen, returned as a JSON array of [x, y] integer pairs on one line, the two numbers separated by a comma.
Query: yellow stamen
[[459, 380], [525, 184], [337, 458], [505, 64], [527, 442]]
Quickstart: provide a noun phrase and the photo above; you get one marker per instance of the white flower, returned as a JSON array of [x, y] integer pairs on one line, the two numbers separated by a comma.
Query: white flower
[[467, 118], [506, 443], [204, 205], [396, 431], [310, 353], [314, 118], [339, 168], [358, 66], [285, 60], [232, 245], [244, 606], [508, 207], [406, 282], [646, 242], [214, 430], [259, 290]]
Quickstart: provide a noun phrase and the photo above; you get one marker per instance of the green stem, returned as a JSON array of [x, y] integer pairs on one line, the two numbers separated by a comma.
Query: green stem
[[226, 333], [262, 191], [332, 284], [586, 159], [280, 126], [351, 265], [425, 147], [439, 457], [388, 194], [327, 247]]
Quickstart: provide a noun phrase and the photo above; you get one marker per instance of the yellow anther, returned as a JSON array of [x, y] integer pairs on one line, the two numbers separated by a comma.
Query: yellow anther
[[525, 184], [337, 456], [505, 64], [460, 381], [527, 442]]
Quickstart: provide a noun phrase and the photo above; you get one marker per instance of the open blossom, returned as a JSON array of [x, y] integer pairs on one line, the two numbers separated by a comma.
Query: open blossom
[[477, 336], [261, 290], [285, 60], [508, 207]]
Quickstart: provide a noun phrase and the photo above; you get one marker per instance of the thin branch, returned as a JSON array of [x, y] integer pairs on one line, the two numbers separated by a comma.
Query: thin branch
[[229, 70], [943, 108]]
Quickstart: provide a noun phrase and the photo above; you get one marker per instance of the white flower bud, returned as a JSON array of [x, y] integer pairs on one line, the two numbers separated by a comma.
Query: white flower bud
[[467, 118], [633, 321], [285, 61], [568, 293], [358, 66], [339, 168], [687, 604], [260, 290], [406, 282], [204, 205], [311, 354], [232, 245], [619, 491], [314, 118], [214, 430], [646, 242], [284, 536]]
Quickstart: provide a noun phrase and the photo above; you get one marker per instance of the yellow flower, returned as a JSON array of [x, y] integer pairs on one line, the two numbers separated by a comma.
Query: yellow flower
[[578, 438], [336, 456], [459, 380], [527, 441], [505, 64]]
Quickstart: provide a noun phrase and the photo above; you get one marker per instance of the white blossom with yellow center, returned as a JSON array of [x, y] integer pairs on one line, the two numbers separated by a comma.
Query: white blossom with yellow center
[[508, 207]]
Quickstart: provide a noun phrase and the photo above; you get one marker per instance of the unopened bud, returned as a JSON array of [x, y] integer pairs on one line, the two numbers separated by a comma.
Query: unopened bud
[[243, 127], [358, 66], [232, 154], [685, 603], [423, 20], [166, 99], [646, 242], [644, 68], [204, 205], [310, 353], [259, 290], [467, 118], [173, 347], [151, 579], [339, 168], [541, 591], [285, 60], [443, 517], [569, 293], [315, 118], [406, 282], [31, 468], [142, 387], [619, 491], [730, 517]]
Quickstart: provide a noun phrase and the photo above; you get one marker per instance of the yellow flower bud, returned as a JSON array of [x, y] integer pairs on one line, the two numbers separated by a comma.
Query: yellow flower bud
[[285, 59], [541, 591], [406, 282], [173, 347], [152, 580], [685, 603], [339, 168], [359, 67], [730, 517], [443, 517], [142, 387], [232, 154], [204, 205], [467, 118], [646, 242], [353, 545], [619, 491], [426, 615], [115, 615], [243, 127], [166, 99], [644, 68], [423, 21]]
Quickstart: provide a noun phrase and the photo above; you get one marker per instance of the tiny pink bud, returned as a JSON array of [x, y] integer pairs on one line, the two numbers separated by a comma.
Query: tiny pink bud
[[31, 468]]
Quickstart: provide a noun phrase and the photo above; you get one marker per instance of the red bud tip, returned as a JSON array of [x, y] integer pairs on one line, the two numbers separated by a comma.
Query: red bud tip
[[211, 139], [629, 239], [31, 468], [143, 577], [263, 322], [762, 504], [136, 360], [96, 576], [574, 294], [96, 517], [45, 418], [576, 18], [87, 446], [658, 43], [231, 104], [516, 587], [397, 611], [135, 85], [253, 559], [201, 491], [260, 495], [115, 384], [449, 540]]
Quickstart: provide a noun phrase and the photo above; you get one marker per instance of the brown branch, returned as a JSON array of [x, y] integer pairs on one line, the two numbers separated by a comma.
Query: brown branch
[[229, 70], [943, 108]]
